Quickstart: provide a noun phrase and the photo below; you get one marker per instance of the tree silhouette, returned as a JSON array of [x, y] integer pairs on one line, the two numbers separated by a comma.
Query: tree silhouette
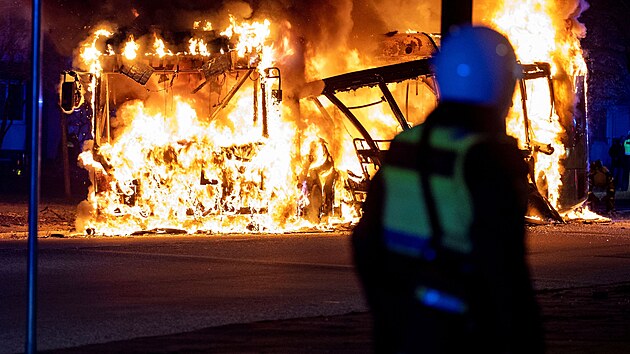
[[14, 56]]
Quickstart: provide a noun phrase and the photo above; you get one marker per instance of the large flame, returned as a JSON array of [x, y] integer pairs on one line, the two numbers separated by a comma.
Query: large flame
[[170, 164], [542, 31], [206, 162]]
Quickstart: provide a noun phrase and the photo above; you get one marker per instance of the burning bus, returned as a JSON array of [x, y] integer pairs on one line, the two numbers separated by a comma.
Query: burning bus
[[205, 136], [196, 140], [410, 92]]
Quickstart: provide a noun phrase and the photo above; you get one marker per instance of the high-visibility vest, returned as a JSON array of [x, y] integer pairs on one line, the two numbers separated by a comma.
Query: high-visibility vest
[[406, 222], [407, 227], [626, 147]]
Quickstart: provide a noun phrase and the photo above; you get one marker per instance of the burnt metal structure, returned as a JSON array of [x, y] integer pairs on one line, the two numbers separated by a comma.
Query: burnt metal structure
[[140, 72], [370, 151], [536, 201], [380, 76]]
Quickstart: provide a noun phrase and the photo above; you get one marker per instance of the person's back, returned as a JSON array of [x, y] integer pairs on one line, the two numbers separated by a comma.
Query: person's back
[[440, 247], [616, 153], [625, 178]]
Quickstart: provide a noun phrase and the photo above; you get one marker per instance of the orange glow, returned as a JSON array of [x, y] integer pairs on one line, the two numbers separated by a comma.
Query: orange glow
[[538, 35], [207, 25], [180, 153], [131, 48], [148, 175], [90, 55], [160, 48]]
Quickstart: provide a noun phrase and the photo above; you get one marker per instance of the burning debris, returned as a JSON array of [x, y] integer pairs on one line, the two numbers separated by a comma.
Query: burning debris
[[554, 128], [197, 140], [200, 135]]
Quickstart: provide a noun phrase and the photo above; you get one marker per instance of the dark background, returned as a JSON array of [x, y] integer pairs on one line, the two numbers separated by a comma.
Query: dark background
[[607, 53]]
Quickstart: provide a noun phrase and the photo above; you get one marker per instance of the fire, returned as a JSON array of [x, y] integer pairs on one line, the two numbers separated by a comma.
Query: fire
[[89, 53], [198, 47], [172, 162], [528, 25], [538, 34], [213, 148], [131, 48], [159, 47], [207, 26], [585, 214], [252, 35]]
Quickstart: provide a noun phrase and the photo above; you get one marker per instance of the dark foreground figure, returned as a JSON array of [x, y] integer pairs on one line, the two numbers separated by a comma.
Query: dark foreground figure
[[440, 247]]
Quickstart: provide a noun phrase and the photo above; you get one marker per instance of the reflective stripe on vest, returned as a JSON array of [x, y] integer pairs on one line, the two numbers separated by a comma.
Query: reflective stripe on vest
[[407, 227]]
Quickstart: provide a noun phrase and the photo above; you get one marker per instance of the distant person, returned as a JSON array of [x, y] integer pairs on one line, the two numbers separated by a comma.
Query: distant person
[[617, 165], [440, 247], [626, 167], [601, 180]]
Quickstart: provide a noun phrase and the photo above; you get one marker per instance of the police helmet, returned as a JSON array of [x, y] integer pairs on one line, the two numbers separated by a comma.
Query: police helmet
[[476, 65]]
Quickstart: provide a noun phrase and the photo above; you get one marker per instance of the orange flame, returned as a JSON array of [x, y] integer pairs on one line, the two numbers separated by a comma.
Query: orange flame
[[159, 47], [131, 48], [148, 175], [90, 55], [173, 162], [538, 36]]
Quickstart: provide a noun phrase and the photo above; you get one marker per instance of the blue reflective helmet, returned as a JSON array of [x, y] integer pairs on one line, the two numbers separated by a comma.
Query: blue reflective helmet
[[476, 65]]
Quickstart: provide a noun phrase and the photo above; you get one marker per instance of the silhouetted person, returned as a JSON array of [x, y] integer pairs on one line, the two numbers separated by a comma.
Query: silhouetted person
[[617, 164], [601, 180], [625, 182], [440, 247]]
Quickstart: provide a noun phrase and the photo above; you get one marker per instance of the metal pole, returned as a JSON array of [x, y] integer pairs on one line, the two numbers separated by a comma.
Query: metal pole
[[455, 12], [263, 90], [64, 155], [33, 207], [256, 83]]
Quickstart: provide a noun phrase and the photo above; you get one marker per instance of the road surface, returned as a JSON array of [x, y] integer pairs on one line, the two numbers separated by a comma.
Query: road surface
[[95, 290]]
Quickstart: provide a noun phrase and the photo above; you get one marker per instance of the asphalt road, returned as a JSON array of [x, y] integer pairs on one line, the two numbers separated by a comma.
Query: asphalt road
[[103, 289], [96, 290]]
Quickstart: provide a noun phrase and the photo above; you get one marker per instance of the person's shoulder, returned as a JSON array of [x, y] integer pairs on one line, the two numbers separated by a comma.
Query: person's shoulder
[[409, 136], [500, 141], [501, 150]]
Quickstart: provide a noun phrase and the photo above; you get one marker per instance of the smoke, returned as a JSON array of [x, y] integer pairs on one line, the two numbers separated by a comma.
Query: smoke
[[326, 28], [570, 62], [572, 10], [15, 38], [402, 15]]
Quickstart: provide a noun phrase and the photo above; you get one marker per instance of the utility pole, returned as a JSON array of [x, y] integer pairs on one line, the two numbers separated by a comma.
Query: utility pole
[[33, 205], [455, 12], [64, 155]]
